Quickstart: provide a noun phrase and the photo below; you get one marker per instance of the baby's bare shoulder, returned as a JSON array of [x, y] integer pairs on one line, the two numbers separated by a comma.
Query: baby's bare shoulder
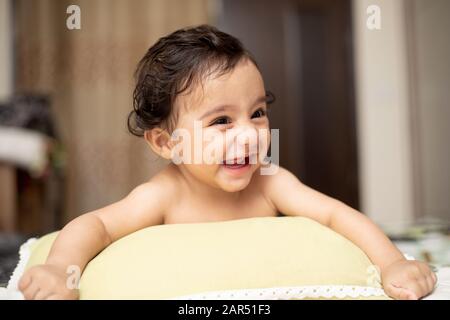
[[146, 205], [161, 186], [278, 178], [269, 186]]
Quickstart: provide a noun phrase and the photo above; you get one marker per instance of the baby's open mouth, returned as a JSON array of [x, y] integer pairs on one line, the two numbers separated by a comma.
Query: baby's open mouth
[[236, 163]]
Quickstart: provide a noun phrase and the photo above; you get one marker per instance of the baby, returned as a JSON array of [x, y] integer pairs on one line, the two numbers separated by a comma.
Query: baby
[[203, 80]]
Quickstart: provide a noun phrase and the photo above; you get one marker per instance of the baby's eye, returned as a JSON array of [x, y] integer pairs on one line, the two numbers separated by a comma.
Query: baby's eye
[[259, 113], [220, 120]]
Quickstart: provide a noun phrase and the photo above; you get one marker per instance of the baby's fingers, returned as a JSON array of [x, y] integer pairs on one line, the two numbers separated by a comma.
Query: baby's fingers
[[420, 286], [30, 292], [431, 282], [42, 294], [25, 281], [433, 278], [400, 293], [433, 275]]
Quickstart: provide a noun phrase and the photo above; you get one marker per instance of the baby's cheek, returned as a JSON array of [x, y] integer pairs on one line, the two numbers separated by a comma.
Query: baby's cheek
[[207, 174], [264, 139], [213, 150]]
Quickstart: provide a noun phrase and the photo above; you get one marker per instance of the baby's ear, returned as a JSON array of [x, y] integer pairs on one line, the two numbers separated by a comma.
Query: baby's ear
[[159, 141]]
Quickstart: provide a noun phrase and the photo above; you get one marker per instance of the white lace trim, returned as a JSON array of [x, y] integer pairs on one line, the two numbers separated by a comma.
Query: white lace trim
[[285, 293], [24, 255]]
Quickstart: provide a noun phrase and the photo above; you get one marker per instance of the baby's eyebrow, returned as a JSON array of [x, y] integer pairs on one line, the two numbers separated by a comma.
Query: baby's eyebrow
[[217, 109], [222, 108]]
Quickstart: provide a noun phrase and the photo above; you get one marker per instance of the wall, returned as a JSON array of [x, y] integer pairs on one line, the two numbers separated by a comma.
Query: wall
[[7, 174], [383, 114], [430, 29], [5, 49], [403, 76]]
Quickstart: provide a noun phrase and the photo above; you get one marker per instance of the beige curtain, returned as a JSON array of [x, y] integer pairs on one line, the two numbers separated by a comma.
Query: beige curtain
[[89, 75]]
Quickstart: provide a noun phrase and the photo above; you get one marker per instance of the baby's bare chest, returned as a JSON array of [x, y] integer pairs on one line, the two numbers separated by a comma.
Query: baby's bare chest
[[193, 210]]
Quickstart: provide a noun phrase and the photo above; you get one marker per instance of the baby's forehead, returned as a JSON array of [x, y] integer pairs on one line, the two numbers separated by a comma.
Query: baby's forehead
[[199, 98], [241, 84], [189, 102]]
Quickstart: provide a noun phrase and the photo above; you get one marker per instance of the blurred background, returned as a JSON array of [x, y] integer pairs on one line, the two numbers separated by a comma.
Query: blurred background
[[363, 113]]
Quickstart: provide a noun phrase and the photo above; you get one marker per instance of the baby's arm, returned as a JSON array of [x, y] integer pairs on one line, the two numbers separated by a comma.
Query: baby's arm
[[401, 278], [84, 237]]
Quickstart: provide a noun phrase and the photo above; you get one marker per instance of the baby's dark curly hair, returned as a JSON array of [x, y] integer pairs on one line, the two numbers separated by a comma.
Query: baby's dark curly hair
[[172, 65]]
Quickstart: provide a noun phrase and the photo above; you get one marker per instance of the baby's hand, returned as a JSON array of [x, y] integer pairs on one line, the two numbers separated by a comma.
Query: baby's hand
[[408, 280], [46, 282]]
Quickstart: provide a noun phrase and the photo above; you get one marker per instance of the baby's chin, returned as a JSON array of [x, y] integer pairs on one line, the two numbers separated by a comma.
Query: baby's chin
[[234, 184]]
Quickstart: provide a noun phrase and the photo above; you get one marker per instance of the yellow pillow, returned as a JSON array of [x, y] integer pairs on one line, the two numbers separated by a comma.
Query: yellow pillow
[[227, 259]]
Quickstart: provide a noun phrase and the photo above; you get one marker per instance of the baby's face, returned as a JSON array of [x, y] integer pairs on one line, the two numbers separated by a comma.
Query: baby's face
[[232, 109]]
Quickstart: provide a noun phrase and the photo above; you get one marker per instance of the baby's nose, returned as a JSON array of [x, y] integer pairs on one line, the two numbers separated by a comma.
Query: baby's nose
[[242, 133], [243, 138]]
